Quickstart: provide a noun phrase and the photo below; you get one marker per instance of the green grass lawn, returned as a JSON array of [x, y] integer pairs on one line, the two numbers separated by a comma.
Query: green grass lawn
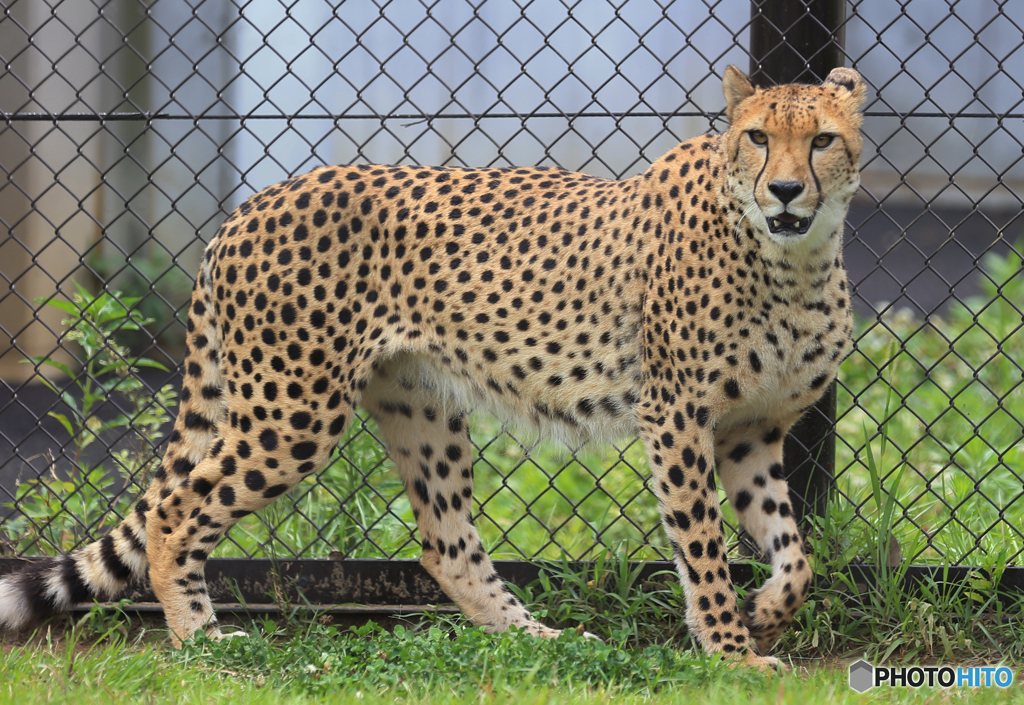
[[320, 663], [646, 654]]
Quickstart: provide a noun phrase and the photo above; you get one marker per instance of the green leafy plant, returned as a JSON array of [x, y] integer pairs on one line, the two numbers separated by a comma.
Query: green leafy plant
[[107, 368], [63, 512], [325, 659], [157, 284]]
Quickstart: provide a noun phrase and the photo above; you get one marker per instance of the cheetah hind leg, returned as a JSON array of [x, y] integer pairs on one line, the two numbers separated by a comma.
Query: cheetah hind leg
[[429, 443], [241, 474]]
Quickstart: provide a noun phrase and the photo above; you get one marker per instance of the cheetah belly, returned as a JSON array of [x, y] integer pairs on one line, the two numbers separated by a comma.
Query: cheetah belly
[[596, 406], [777, 401]]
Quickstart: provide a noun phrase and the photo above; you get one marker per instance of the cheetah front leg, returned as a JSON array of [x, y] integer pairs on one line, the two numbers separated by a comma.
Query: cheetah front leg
[[750, 465], [429, 442], [680, 448]]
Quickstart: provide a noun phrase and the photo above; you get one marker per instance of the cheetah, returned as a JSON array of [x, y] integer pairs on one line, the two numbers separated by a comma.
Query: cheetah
[[701, 305]]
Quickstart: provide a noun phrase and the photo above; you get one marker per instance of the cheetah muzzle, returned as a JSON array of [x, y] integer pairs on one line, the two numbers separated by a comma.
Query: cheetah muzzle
[[701, 305]]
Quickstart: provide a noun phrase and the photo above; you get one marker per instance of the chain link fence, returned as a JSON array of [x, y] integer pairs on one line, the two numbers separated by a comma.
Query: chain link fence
[[130, 129]]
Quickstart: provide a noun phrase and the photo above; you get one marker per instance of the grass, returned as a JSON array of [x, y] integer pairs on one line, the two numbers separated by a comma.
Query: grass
[[106, 659], [646, 654], [955, 424], [956, 623]]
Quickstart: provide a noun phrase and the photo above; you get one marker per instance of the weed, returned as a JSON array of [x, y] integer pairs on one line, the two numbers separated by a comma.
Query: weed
[[55, 515]]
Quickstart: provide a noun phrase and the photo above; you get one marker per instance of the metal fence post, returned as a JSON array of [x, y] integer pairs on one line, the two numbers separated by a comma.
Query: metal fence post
[[800, 41]]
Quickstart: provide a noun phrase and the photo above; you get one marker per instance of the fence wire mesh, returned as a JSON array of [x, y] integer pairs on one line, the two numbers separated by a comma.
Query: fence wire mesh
[[131, 129]]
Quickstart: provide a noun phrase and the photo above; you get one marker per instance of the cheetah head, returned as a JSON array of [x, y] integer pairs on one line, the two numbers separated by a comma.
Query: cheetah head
[[793, 153]]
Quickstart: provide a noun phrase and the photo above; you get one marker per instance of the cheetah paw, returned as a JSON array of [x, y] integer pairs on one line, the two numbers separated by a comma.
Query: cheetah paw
[[218, 635], [765, 664]]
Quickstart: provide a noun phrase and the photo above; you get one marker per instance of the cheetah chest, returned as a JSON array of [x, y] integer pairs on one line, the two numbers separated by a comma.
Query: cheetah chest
[[790, 360]]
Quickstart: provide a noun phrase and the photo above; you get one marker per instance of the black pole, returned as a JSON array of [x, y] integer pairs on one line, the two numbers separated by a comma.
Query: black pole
[[800, 41], [795, 41]]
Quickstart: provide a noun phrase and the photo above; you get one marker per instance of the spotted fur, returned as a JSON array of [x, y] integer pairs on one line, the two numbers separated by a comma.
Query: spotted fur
[[702, 305]]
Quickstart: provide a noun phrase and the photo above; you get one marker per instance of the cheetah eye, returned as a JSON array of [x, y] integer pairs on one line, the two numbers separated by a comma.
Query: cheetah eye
[[758, 137], [822, 141]]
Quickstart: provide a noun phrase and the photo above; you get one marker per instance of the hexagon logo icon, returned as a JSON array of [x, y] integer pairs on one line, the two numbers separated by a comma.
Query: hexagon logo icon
[[862, 675]]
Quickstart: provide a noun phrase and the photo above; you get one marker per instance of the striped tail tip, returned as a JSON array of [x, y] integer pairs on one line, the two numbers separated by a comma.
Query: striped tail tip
[[41, 590], [100, 571]]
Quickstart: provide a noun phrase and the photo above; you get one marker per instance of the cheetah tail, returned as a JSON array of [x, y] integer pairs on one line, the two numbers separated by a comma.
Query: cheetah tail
[[104, 569]]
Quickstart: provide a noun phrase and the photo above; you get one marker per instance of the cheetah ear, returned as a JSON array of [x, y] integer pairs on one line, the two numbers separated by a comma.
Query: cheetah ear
[[737, 88], [851, 82]]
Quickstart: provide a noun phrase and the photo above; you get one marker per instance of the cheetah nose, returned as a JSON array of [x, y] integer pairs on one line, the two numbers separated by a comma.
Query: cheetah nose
[[786, 191]]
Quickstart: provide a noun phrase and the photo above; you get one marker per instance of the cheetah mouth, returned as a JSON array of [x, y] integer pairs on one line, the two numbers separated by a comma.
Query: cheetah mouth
[[788, 224]]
